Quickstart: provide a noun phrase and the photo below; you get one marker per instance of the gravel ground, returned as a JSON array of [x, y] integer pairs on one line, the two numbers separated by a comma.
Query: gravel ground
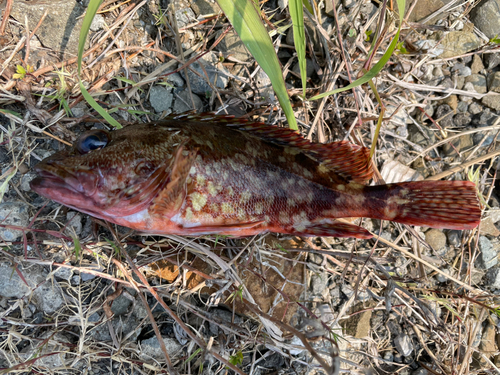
[[79, 296]]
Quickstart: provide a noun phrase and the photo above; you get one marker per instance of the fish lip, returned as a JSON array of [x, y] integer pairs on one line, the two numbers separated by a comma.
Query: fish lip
[[57, 177], [45, 181]]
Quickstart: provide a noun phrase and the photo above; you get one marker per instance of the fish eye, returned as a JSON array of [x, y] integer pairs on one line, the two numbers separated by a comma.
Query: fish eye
[[92, 140]]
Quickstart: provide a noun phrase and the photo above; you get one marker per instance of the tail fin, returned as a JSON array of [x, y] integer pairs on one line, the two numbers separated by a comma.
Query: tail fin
[[437, 204]]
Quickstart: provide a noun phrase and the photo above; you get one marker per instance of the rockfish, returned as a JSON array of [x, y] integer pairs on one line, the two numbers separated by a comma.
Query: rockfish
[[211, 174]]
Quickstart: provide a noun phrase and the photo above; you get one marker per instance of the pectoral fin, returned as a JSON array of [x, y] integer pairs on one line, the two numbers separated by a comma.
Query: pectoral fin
[[170, 199]]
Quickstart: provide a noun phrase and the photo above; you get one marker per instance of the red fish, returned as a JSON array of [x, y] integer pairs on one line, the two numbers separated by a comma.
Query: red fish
[[208, 174]]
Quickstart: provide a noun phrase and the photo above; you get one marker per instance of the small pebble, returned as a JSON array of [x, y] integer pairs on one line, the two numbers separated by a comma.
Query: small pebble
[[23, 168]]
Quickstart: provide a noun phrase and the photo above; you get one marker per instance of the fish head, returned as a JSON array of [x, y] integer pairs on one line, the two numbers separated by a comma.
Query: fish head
[[108, 174]]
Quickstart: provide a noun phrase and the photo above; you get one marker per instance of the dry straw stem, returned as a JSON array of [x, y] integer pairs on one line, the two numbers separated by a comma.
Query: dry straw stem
[[446, 90], [495, 126], [427, 264]]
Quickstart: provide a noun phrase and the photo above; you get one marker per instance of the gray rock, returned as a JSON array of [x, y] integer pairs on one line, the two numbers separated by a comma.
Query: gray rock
[[232, 46], [475, 108], [60, 30], [184, 17], [74, 220], [80, 109], [447, 82], [494, 82], [335, 296], [123, 325], [461, 70], [437, 72], [368, 9], [444, 114], [436, 238], [54, 344], [417, 135], [161, 98], [150, 349], [265, 88], [491, 101], [221, 318], [15, 214], [47, 296], [425, 9], [309, 68], [484, 118], [121, 305], [457, 43], [486, 17], [403, 344], [462, 106], [348, 290], [26, 179], [450, 148], [183, 102], [492, 60], [442, 278], [319, 284], [429, 46], [98, 23], [204, 7], [175, 79], [478, 138], [388, 355], [347, 3], [421, 371], [477, 64], [478, 81], [462, 119], [466, 141], [216, 74], [454, 237], [492, 278], [64, 273], [489, 253]]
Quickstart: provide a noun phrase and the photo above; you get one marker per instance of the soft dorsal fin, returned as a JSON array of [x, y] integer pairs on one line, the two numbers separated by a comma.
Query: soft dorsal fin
[[348, 160]]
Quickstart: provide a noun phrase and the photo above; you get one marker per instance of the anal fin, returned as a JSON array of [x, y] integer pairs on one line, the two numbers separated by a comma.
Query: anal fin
[[236, 229], [334, 229]]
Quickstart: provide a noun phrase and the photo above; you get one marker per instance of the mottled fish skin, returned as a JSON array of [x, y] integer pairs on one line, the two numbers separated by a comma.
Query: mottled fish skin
[[206, 174]]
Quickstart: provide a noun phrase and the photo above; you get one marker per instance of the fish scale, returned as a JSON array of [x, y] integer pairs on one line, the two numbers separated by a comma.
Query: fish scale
[[209, 174]]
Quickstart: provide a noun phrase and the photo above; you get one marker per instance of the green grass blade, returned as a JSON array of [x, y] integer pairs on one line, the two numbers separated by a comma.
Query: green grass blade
[[307, 4], [378, 66], [247, 23], [299, 38], [87, 21]]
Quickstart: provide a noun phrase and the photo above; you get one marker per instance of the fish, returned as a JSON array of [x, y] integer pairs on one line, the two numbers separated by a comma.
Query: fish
[[206, 174]]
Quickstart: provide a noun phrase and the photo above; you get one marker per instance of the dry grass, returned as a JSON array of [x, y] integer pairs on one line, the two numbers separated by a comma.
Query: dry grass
[[234, 305]]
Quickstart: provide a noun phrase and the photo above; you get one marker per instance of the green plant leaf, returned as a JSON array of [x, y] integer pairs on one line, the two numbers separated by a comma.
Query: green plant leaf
[[299, 38], [308, 6], [247, 23], [236, 359], [78, 247], [87, 21], [378, 66], [11, 113]]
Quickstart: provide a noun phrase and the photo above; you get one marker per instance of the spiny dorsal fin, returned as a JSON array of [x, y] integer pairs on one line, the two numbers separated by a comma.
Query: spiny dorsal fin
[[350, 161]]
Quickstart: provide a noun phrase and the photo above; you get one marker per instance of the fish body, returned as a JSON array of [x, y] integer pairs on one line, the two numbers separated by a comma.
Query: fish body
[[208, 174]]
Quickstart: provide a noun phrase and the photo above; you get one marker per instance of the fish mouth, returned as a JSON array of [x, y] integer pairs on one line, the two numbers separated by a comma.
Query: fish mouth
[[61, 186]]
